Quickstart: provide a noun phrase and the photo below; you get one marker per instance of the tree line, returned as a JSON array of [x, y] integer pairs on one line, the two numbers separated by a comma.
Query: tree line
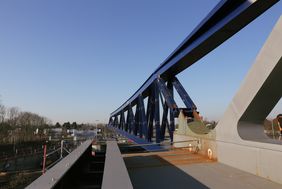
[[19, 125], [13, 117]]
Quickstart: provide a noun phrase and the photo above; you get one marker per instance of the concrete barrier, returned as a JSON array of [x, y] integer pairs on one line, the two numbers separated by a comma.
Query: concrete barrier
[[115, 172]]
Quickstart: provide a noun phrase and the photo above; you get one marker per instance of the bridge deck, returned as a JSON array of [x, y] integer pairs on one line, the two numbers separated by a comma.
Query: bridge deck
[[182, 169]]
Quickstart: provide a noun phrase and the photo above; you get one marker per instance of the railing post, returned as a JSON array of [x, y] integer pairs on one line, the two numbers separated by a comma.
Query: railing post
[[44, 158]]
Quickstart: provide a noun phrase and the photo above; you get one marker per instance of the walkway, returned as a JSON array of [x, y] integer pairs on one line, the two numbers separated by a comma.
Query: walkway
[[183, 169]]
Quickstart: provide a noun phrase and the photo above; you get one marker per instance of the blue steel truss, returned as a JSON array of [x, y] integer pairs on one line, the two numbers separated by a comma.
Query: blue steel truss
[[226, 19]]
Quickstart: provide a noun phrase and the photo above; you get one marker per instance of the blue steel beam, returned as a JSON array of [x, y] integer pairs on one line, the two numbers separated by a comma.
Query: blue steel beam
[[111, 121], [226, 19], [116, 121], [157, 112], [131, 118], [165, 124], [166, 93], [149, 108], [142, 118], [150, 116], [171, 112], [136, 121], [127, 122], [122, 123], [183, 94], [164, 120]]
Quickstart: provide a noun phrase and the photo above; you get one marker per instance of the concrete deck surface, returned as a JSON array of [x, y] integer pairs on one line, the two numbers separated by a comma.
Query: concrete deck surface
[[179, 169]]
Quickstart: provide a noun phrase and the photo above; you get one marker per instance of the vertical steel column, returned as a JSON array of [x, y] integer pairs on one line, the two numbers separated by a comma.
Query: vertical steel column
[[166, 91], [150, 115], [139, 120], [136, 121], [142, 118], [116, 121], [157, 112], [122, 124], [149, 108], [127, 122], [171, 112], [131, 119], [110, 121], [164, 118]]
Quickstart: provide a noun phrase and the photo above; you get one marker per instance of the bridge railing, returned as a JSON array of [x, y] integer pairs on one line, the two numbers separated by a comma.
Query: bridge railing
[[53, 176]]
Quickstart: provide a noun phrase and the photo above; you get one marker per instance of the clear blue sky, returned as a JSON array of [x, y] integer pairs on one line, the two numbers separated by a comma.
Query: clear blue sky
[[79, 60]]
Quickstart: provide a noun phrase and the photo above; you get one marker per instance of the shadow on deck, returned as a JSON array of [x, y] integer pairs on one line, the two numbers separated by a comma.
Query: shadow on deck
[[159, 170]]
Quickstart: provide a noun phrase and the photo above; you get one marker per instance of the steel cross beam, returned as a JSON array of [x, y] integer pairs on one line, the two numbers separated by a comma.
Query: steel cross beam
[[166, 93], [183, 94], [226, 19]]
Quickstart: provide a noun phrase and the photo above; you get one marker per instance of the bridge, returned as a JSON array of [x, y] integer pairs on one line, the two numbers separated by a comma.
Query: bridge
[[200, 156]]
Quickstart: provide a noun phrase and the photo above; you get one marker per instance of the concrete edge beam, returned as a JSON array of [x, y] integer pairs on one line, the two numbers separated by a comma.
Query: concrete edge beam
[[53, 175], [115, 172]]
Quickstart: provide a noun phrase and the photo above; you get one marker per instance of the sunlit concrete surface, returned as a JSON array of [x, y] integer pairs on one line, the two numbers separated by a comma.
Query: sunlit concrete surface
[[115, 173], [184, 169], [240, 138]]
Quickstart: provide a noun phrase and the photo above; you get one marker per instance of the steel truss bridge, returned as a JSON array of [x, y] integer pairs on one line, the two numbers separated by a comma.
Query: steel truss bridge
[[239, 141], [225, 20]]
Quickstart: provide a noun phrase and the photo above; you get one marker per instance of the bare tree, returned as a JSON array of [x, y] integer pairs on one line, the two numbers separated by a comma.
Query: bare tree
[[2, 113], [47, 121], [31, 119], [13, 114]]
